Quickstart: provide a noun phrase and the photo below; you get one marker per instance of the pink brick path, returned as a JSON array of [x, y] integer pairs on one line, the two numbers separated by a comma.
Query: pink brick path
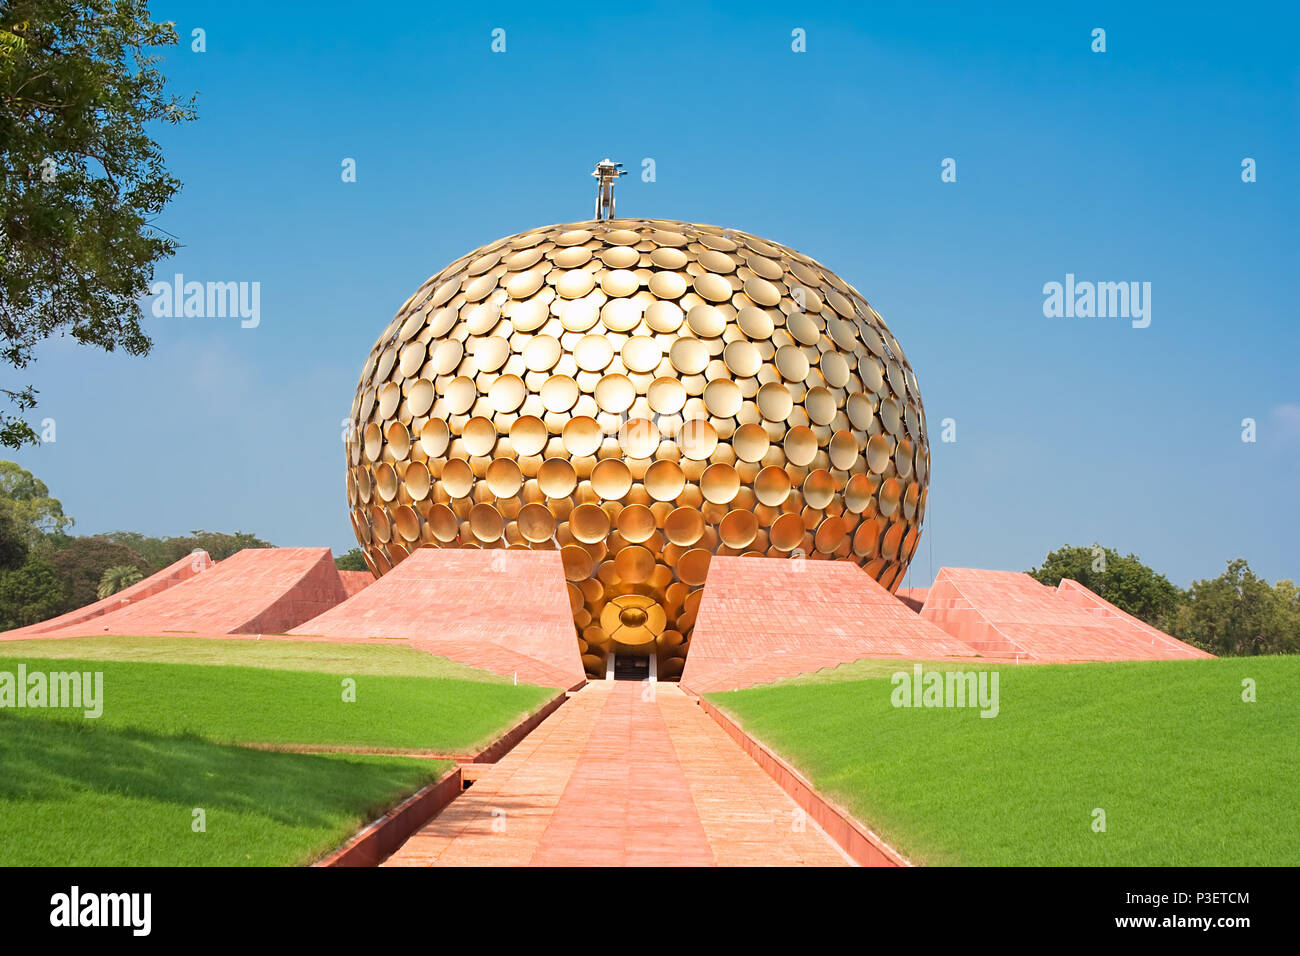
[[504, 611], [617, 778]]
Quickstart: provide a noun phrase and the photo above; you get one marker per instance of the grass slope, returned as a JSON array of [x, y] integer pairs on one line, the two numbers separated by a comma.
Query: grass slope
[[74, 794], [1186, 772], [334, 657], [250, 704]]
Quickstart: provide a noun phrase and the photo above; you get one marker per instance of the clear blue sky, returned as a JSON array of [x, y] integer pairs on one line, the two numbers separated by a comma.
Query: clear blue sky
[[1120, 166]]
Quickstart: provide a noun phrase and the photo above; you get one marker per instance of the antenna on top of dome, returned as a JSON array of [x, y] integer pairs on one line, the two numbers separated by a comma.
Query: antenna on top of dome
[[607, 171]]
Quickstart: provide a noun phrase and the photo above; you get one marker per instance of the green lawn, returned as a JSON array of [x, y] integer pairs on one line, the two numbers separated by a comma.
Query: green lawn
[[74, 794], [1185, 771], [327, 656], [260, 705], [121, 789]]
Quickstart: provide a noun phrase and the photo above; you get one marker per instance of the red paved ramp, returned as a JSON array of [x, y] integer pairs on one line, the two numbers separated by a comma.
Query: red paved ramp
[[762, 619], [356, 581], [254, 591], [1009, 614], [182, 570], [504, 611]]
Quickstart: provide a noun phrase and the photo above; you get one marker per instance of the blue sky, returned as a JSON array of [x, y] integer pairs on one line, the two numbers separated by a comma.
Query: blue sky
[[1115, 166]]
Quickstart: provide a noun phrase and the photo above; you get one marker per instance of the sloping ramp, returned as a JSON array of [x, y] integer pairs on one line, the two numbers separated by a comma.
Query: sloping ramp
[[356, 581], [504, 611], [762, 619], [1009, 614], [176, 572], [254, 591]]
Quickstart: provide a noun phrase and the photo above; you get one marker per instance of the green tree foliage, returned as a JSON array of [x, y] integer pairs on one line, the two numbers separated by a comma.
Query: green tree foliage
[[1122, 580], [30, 593], [80, 178], [352, 561], [1239, 613], [156, 553], [117, 578], [13, 543], [35, 514], [80, 564]]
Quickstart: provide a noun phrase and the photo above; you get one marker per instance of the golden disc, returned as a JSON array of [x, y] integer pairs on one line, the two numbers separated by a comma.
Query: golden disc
[[504, 479], [457, 478], [611, 479], [588, 523], [750, 442], [719, 483], [485, 523], [772, 486], [536, 523], [581, 436], [689, 356], [698, 439], [556, 478], [664, 480], [634, 564], [738, 529], [527, 435], [615, 393], [636, 523], [479, 435], [684, 526]]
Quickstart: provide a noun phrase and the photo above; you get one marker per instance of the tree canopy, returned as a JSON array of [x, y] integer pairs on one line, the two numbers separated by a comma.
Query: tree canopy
[[34, 512], [1238, 613], [81, 179], [1123, 580]]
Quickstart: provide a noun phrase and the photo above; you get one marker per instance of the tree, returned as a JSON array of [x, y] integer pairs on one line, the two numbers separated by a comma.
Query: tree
[[157, 553], [1122, 580], [13, 543], [352, 561], [1239, 613], [29, 593], [34, 512], [117, 578], [80, 178], [80, 564]]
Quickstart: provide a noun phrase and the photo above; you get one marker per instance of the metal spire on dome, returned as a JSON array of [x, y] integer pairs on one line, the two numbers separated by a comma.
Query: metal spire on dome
[[607, 171]]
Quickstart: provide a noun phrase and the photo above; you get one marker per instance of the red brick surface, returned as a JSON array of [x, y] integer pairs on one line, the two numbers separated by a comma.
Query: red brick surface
[[254, 591], [504, 611], [620, 776], [181, 570], [356, 581], [762, 619], [1009, 614]]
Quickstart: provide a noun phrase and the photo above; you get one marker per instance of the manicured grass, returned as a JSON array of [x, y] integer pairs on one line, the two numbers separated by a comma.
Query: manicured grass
[[253, 704], [1185, 770], [82, 794], [869, 668], [327, 656]]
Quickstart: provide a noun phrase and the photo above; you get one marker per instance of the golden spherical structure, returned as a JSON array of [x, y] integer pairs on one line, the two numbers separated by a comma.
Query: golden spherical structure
[[639, 395]]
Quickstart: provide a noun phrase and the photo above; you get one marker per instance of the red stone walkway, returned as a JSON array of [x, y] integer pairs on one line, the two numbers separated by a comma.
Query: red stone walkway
[[620, 776]]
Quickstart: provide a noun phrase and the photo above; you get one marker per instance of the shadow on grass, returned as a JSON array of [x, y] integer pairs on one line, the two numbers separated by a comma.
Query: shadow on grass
[[44, 759]]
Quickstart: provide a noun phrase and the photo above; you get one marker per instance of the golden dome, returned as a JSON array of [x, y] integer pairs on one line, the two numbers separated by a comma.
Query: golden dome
[[639, 395]]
